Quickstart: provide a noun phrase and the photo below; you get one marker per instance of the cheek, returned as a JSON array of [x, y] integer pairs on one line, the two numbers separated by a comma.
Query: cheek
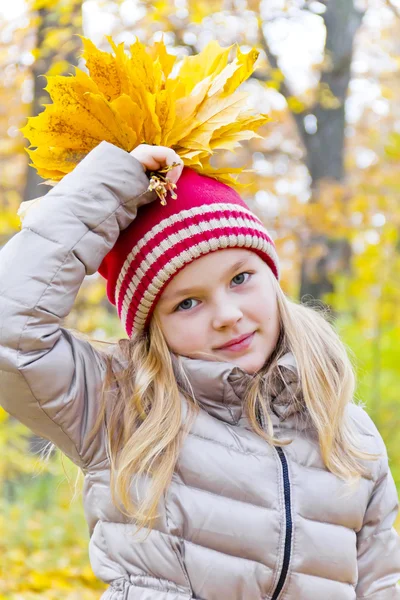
[[266, 308], [185, 335]]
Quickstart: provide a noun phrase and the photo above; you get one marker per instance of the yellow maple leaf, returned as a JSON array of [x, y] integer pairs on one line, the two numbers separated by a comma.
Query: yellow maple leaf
[[132, 98], [159, 52]]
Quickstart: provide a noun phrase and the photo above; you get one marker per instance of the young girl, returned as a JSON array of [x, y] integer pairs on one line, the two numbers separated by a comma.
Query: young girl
[[224, 428]]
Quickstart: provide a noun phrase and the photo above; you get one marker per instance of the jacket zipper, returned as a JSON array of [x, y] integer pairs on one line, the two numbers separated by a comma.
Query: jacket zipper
[[288, 515], [289, 524]]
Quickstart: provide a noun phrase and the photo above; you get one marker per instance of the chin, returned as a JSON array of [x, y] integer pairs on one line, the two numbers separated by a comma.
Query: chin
[[250, 363]]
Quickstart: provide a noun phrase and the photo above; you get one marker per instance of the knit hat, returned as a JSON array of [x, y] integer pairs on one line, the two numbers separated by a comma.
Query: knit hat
[[206, 216]]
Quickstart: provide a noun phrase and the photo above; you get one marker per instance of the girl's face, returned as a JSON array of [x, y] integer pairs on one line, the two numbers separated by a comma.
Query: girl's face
[[217, 298]]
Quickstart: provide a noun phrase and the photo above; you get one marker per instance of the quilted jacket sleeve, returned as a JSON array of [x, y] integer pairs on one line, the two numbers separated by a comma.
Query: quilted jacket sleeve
[[49, 379], [378, 543]]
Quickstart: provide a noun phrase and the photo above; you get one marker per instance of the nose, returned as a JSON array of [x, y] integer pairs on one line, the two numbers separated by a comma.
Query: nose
[[226, 314]]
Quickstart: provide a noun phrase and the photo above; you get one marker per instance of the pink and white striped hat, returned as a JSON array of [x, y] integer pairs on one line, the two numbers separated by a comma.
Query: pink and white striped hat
[[207, 215]]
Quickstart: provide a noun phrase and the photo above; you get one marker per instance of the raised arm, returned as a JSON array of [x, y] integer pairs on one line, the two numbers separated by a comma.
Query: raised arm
[[49, 379]]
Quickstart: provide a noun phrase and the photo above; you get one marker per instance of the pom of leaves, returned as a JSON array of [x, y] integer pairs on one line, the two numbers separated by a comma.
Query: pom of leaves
[[146, 97]]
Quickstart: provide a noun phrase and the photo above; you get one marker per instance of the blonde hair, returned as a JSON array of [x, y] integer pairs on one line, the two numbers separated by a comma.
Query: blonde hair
[[141, 405]]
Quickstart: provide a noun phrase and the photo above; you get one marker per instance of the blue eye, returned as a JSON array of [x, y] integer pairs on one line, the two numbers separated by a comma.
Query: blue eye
[[181, 305], [240, 275]]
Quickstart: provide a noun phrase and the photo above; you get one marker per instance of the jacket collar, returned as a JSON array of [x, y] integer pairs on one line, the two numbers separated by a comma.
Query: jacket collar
[[219, 387]]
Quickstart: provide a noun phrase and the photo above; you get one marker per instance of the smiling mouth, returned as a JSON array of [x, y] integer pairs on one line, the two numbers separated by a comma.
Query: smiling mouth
[[239, 343]]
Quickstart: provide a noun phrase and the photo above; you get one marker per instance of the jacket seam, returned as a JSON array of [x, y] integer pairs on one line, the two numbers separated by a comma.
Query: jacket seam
[[378, 481], [325, 522], [353, 585], [314, 468], [45, 237], [181, 564], [193, 487], [18, 302], [178, 556], [373, 596], [257, 562], [179, 589], [246, 453], [371, 535]]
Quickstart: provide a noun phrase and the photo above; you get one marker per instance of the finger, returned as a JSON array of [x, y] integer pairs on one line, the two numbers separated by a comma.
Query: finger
[[174, 174], [155, 157], [165, 155]]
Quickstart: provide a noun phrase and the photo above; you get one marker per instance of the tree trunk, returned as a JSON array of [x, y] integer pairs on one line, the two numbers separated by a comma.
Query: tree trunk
[[49, 21], [325, 148]]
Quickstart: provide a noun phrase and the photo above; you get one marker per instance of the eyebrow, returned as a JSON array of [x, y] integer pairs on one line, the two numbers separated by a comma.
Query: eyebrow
[[193, 290]]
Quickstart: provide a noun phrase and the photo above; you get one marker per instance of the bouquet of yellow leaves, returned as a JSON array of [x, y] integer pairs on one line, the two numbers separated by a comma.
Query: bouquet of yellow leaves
[[131, 100]]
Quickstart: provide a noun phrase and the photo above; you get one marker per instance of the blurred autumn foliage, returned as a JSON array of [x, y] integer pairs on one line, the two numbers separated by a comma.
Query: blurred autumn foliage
[[324, 180]]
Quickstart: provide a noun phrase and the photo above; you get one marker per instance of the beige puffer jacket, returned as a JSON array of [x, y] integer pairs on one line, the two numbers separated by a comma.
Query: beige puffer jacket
[[241, 520]]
